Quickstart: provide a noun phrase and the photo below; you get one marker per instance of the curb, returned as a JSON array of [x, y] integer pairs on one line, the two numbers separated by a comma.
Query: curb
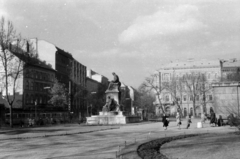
[[151, 149]]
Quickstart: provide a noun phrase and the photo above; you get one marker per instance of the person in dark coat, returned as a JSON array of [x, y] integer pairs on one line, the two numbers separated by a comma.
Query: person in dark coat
[[189, 121], [220, 121], [165, 121], [213, 119]]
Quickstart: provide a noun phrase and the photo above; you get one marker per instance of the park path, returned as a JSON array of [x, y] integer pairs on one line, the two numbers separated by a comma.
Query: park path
[[94, 144]]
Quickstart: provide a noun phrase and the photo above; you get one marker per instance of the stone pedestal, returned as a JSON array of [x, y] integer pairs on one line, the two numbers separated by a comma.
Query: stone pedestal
[[113, 93], [107, 118]]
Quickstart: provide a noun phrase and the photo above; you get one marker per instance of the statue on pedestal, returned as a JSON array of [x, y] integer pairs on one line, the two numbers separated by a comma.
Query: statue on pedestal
[[111, 105], [117, 82], [113, 94]]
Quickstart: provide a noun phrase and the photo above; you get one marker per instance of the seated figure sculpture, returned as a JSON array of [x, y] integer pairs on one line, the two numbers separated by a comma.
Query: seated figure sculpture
[[107, 105], [111, 105]]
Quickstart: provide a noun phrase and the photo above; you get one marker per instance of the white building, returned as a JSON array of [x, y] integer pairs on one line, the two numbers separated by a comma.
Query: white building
[[212, 71]]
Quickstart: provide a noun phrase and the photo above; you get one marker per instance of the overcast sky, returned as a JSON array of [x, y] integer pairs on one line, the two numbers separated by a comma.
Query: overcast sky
[[131, 37]]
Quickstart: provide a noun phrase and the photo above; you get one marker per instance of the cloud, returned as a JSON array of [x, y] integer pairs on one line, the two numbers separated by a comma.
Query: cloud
[[166, 21]]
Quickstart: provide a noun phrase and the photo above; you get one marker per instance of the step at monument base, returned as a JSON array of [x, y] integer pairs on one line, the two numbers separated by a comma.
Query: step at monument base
[[107, 118]]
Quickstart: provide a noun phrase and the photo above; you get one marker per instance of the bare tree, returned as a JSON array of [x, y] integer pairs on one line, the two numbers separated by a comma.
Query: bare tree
[[12, 57], [204, 89], [150, 85], [192, 82], [175, 87]]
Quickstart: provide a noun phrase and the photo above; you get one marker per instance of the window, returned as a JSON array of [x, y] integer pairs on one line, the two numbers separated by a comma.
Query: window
[[40, 99], [209, 76], [185, 98], [166, 77], [40, 75], [27, 99], [36, 75], [197, 98], [31, 99], [27, 84], [167, 98], [31, 85], [210, 97], [191, 98], [37, 87]]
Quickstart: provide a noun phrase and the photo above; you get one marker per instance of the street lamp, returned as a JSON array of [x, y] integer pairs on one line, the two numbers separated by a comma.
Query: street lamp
[[92, 93], [35, 110], [91, 110]]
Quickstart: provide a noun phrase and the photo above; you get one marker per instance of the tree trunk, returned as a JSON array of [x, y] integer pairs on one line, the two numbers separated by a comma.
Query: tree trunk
[[194, 108], [160, 103], [204, 102], [11, 116]]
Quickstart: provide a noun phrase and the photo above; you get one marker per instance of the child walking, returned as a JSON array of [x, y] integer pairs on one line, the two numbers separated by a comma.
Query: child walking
[[189, 122]]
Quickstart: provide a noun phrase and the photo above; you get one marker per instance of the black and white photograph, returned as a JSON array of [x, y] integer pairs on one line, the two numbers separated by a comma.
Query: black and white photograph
[[119, 79]]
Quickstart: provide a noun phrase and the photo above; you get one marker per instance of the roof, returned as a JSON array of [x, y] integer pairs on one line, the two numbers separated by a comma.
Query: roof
[[192, 64], [231, 63]]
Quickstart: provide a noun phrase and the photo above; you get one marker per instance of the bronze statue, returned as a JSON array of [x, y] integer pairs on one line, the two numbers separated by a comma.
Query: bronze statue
[[111, 105]]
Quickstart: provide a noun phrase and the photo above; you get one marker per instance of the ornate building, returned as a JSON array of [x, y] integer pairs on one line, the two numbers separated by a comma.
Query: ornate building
[[175, 70]]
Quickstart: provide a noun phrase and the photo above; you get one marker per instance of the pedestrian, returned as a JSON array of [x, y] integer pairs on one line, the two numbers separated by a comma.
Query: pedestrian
[[178, 118], [203, 117], [213, 119], [220, 121], [189, 121], [165, 121]]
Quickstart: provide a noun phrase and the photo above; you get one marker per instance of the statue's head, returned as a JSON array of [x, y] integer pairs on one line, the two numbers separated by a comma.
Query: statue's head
[[113, 73]]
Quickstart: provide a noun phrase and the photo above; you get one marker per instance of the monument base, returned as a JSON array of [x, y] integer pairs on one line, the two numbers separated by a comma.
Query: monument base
[[107, 118]]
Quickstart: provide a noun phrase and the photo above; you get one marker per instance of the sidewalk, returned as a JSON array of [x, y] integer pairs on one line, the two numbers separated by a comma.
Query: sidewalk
[[55, 130], [7, 133]]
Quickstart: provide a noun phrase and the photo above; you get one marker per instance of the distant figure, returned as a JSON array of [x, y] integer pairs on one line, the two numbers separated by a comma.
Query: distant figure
[[230, 119], [178, 118], [203, 117], [220, 121], [165, 121], [212, 119], [189, 121]]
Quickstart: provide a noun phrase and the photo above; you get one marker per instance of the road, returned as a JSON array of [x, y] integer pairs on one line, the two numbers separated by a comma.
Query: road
[[95, 145]]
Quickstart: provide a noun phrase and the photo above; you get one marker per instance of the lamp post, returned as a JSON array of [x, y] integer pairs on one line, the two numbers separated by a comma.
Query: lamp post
[[91, 110], [35, 109], [92, 93]]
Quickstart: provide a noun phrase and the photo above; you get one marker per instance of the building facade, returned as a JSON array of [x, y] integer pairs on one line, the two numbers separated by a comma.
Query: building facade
[[229, 67], [78, 84], [69, 71], [96, 86], [175, 70], [37, 80]]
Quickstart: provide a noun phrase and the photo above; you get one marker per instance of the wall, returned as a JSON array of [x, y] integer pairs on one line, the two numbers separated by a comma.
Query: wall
[[226, 98]]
